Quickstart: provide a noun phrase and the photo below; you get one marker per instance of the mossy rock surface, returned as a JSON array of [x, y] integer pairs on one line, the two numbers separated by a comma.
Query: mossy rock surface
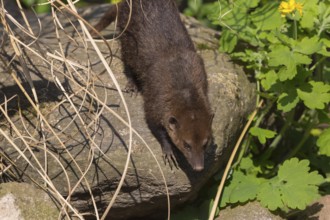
[[24, 201]]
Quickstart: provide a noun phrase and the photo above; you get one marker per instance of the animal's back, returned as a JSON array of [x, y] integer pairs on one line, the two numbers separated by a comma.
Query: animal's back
[[154, 28], [161, 60]]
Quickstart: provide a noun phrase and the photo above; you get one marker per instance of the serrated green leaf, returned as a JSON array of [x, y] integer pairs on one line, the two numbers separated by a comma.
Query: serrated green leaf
[[324, 17], [283, 56], [246, 163], [193, 7], [294, 187], [270, 196], [301, 59], [295, 196], [308, 45], [246, 190], [270, 78], [310, 12], [315, 95], [262, 134], [233, 15], [279, 56], [323, 142], [242, 188], [247, 166], [325, 45], [293, 169], [288, 100], [286, 73], [228, 41], [269, 36]]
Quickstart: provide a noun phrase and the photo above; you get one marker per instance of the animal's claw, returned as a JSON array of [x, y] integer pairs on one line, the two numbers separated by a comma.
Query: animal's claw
[[170, 158], [131, 88]]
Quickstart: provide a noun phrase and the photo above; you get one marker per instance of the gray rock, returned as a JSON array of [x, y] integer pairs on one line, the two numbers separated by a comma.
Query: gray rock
[[85, 153], [319, 210], [19, 201], [249, 211]]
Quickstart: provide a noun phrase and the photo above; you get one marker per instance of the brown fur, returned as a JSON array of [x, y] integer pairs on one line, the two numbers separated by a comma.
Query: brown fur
[[161, 62]]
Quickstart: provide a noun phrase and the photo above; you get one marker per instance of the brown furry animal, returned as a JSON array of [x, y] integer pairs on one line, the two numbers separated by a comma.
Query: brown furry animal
[[161, 62]]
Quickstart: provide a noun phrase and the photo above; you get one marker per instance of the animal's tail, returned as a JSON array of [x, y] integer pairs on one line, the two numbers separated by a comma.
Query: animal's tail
[[108, 18]]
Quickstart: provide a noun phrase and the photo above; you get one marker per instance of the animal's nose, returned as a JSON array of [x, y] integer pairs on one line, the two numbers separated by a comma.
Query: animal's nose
[[197, 161], [198, 167]]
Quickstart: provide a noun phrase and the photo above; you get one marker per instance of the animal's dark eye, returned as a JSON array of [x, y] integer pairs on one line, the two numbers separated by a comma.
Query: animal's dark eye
[[205, 146], [206, 143], [186, 146]]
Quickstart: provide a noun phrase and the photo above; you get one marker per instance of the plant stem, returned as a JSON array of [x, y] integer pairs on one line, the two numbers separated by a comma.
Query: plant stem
[[305, 137], [246, 144], [278, 138], [232, 156], [295, 29]]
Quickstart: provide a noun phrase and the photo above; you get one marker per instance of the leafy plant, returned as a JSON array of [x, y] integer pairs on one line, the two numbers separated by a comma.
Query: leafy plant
[[292, 187], [285, 47], [40, 6]]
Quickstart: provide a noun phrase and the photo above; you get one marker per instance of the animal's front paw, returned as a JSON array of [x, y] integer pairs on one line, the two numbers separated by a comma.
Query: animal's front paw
[[169, 157], [131, 88]]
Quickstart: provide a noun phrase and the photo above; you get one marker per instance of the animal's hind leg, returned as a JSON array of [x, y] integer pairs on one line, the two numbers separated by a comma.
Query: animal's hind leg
[[132, 85]]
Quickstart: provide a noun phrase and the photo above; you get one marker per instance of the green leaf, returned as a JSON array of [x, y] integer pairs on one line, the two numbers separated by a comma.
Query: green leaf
[[279, 56], [28, 3], [286, 73], [308, 45], [295, 196], [323, 143], [299, 187], [324, 18], [288, 100], [270, 37], [228, 41], [267, 17], [262, 134], [233, 15], [294, 187], [247, 166], [242, 188], [270, 78], [41, 7], [325, 45], [315, 95], [283, 56], [269, 195], [323, 116], [193, 7], [310, 14], [246, 163]]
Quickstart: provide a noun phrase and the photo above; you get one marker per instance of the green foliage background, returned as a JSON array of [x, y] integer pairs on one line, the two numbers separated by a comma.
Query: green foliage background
[[284, 162]]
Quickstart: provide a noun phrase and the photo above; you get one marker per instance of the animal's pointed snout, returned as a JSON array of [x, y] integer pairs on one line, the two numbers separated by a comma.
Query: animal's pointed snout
[[199, 168]]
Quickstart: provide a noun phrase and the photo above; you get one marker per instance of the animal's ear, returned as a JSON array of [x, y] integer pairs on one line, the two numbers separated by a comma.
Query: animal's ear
[[173, 123]]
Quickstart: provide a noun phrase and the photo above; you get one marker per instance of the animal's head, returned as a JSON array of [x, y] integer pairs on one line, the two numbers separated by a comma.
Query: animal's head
[[191, 133]]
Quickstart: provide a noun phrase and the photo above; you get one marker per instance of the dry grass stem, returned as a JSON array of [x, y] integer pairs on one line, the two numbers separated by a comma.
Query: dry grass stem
[[29, 123]]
